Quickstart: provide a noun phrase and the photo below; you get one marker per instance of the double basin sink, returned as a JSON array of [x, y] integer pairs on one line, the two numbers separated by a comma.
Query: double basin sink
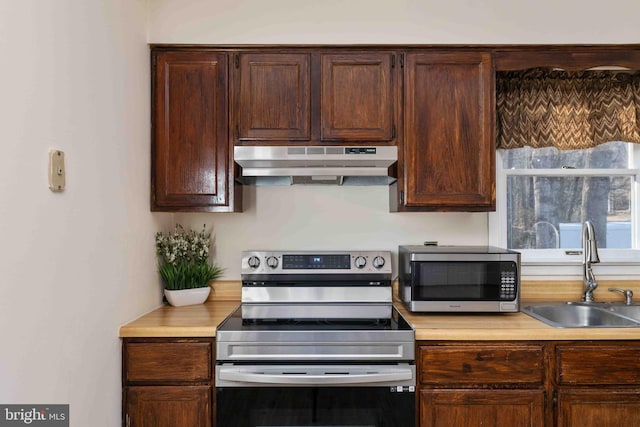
[[586, 315]]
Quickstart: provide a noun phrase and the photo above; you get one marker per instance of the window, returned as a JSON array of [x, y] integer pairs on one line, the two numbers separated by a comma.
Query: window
[[544, 195], [577, 169]]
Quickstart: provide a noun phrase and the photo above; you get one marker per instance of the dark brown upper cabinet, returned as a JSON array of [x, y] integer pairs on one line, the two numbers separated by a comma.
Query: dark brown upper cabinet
[[191, 165], [273, 101], [571, 58], [448, 155], [357, 97], [315, 96]]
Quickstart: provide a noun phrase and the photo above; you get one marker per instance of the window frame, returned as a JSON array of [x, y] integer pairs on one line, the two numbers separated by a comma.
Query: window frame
[[549, 264]]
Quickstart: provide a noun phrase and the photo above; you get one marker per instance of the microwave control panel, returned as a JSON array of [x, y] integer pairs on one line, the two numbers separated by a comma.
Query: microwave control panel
[[508, 285]]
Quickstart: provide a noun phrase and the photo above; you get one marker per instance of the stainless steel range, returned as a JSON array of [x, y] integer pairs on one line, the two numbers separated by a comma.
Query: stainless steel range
[[315, 342]]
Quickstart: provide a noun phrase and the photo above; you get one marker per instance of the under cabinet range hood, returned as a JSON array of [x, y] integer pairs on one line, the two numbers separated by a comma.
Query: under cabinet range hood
[[338, 165]]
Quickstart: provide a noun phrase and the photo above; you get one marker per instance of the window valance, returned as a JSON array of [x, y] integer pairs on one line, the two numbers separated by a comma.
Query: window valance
[[568, 110]]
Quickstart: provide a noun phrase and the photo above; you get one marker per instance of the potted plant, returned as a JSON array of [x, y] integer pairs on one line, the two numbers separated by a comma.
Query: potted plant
[[184, 266]]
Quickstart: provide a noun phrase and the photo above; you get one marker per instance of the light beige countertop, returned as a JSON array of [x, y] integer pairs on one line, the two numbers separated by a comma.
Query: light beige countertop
[[506, 326], [202, 320], [190, 321]]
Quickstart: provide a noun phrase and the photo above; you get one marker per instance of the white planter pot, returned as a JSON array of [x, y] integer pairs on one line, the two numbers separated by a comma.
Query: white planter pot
[[187, 296]]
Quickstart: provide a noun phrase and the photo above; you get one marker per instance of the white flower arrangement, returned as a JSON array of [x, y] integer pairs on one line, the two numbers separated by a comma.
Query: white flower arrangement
[[184, 259]]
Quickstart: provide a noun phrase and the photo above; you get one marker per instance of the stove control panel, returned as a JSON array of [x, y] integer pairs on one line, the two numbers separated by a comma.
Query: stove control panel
[[318, 262]]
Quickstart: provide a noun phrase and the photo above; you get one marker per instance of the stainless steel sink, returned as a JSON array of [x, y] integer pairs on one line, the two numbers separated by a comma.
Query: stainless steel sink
[[578, 315], [632, 311]]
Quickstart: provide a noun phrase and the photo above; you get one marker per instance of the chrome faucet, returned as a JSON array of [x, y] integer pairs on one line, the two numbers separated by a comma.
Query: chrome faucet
[[589, 256]]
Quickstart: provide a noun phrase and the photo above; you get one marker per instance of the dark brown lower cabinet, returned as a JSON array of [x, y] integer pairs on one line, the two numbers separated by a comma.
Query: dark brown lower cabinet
[[599, 408], [168, 406], [498, 384], [534, 383], [496, 408], [168, 382], [598, 384]]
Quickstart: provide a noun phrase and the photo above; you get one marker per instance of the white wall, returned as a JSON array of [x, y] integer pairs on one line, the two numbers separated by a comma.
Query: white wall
[[335, 217], [328, 218], [397, 21], [76, 265]]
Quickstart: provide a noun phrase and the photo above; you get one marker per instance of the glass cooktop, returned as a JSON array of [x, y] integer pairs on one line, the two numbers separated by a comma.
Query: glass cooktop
[[237, 322]]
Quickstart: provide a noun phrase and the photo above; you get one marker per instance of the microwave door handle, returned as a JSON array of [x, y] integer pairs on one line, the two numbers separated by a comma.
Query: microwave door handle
[[313, 379]]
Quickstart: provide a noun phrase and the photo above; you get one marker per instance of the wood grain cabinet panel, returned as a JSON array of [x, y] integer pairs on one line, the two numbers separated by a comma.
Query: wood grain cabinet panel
[[357, 97], [499, 384], [449, 142], [167, 382], [535, 383], [191, 168], [314, 96], [615, 364], [481, 365], [598, 408], [169, 361], [495, 408], [273, 97], [567, 57], [167, 406]]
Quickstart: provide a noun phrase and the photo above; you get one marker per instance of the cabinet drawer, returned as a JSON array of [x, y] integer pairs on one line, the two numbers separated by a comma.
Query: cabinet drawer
[[598, 364], [168, 361], [482, 365]]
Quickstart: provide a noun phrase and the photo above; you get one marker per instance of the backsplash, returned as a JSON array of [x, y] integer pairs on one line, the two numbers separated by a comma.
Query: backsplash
[[325, 218]]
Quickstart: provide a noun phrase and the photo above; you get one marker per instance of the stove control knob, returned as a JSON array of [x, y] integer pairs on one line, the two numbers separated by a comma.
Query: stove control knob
[[378, 262], [254, 261], [360, 262], [272, 262]]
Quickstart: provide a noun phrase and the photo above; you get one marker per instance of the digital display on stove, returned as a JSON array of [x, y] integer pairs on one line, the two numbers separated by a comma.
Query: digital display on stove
[[316, 262]]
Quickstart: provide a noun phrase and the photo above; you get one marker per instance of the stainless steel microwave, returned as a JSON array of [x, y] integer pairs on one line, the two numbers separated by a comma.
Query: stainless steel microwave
[[459, 278]]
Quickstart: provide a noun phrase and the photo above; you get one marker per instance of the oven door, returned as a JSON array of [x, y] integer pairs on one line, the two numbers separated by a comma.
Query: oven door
[[305, 396]]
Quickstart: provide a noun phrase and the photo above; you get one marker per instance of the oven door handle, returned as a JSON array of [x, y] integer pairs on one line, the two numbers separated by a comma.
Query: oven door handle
[[314, 376]]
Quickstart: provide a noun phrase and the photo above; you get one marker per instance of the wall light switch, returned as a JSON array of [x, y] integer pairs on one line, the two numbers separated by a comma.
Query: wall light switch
[[57, 172]]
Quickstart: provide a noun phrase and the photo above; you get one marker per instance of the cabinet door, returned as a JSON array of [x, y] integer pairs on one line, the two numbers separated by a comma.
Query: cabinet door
[[449, 138], [168, 406], [598, 408], [496, 408], [357, 102], [190, 147], [273, 97]]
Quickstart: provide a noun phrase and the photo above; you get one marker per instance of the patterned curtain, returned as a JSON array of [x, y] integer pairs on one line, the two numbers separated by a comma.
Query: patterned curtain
[[565, 109]]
